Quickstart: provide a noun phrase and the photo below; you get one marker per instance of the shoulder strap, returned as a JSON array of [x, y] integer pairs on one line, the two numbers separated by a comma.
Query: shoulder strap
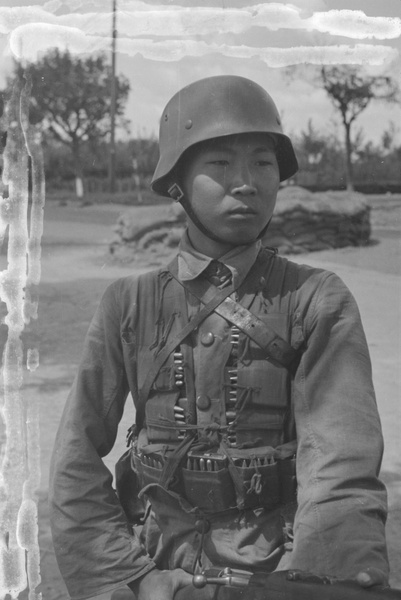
[[263, 335], [276, 348], [173, 343]]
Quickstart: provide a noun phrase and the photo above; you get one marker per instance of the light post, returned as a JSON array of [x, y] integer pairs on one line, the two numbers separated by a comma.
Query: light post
[[112, 166]]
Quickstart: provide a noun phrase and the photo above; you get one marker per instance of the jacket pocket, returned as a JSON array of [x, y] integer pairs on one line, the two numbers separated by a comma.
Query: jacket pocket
[[210, 491], [160, 418], [257, 485], [270, 384]]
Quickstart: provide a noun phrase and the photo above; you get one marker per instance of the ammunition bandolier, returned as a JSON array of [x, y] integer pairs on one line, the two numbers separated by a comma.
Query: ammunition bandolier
[[222, 435]]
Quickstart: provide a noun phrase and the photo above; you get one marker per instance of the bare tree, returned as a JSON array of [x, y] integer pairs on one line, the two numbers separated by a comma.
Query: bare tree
[[351, 91], [71, 98]]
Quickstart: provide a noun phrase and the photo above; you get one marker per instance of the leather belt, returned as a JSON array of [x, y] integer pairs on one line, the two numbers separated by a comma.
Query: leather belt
[[275, 347]]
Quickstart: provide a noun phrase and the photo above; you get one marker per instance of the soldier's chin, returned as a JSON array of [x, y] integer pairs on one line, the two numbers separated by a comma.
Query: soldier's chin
[[240, 238]]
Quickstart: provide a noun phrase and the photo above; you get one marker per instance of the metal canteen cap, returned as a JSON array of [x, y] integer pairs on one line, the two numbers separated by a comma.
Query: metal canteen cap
[[216, 107]]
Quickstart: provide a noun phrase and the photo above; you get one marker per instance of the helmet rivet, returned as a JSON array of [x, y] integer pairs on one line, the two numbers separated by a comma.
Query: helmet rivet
[[188, 124], [166, 117]]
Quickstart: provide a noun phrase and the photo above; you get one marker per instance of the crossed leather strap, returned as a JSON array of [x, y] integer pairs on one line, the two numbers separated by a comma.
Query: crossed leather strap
[[276, 348]]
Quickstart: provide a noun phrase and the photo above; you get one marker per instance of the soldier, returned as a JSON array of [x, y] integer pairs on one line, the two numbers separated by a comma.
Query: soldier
[[243, 365]]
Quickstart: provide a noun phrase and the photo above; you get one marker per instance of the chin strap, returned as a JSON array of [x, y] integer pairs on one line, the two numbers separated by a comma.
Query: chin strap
[[262, 233], [178, 195]]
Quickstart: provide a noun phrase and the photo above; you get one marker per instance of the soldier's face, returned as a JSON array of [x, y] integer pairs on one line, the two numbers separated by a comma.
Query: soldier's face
[[231, 184]]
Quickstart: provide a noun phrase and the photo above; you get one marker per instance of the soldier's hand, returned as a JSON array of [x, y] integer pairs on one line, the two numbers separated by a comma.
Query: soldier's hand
[[370, 577], [160, 585]]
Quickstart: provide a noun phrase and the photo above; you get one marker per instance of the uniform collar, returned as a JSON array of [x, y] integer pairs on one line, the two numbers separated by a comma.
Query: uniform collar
[[192, 263]]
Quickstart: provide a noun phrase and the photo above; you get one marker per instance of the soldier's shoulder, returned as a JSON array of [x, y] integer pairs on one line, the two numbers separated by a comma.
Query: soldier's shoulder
[[283, 263], [130, 285], [293, 275]]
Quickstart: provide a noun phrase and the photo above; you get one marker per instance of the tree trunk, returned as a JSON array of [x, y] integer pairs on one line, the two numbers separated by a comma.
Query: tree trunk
[[79, 180], [348, 160]]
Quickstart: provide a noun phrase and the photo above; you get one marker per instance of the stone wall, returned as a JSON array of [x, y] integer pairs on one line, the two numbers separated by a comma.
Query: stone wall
[[302, 222]]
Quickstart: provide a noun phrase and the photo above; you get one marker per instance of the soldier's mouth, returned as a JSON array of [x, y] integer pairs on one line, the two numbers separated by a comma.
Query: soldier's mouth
[[243, 210]]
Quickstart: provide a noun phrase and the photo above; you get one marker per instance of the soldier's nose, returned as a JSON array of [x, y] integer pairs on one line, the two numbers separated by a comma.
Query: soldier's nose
[[242, 181], [244, 189]]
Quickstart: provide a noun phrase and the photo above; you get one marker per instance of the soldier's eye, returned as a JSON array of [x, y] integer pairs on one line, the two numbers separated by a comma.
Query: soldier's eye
[[219, 162]]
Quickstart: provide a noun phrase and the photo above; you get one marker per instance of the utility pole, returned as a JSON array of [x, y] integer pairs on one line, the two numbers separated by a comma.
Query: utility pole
[[112, 168]]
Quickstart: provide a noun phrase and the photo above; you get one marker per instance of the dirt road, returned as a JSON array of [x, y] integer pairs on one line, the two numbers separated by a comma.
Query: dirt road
[[76, 268]]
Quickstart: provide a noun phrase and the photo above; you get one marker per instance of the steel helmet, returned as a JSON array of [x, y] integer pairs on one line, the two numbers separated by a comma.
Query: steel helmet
[[216, 107]]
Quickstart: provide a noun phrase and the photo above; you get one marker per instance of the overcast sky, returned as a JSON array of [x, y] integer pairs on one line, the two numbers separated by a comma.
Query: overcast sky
[[166, 45]]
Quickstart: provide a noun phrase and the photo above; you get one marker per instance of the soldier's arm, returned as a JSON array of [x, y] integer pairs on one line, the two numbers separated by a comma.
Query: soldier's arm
[[339, 526], [160, 585], [95, 548]]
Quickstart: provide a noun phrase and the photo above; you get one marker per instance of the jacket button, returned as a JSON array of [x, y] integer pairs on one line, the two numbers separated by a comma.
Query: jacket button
[[207, 339], [202, 526], [203, 402]]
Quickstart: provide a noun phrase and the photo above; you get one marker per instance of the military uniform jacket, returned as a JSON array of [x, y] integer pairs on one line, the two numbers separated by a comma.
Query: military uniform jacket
[[341, 504]]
